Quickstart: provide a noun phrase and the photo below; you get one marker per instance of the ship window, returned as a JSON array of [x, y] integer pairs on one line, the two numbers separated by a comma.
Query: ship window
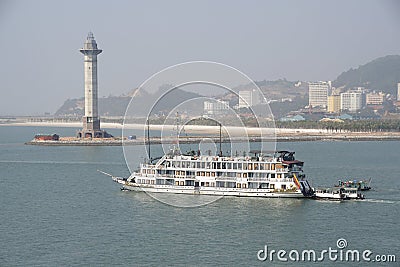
[[218, 165], [193, 164], [198, 165], [271, 186], [239, 174], [208, 165], [207, 174], [235, 166], [238, 185], [253, 185], [213, 174], [283, 187], [231, 184], [279, 175], [239, 166], [178, 164], [229, 165], [244, 185], [203, 165], [250, 166], [272, 175], [214, 165], [244, 175], [244, 166], [272, 166], [224, 165], [255, 166]]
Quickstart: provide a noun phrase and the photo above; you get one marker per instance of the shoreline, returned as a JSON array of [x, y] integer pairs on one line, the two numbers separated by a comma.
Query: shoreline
[[237, 134]]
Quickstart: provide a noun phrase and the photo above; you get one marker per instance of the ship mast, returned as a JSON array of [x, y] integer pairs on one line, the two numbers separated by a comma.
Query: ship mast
[[148, 138], [220, 140]]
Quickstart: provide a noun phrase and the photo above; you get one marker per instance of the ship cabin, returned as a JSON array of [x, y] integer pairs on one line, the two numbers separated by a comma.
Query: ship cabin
[[276, 171]]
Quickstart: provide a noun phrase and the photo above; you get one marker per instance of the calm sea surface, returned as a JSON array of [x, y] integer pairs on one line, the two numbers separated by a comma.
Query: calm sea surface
[[57, 210]]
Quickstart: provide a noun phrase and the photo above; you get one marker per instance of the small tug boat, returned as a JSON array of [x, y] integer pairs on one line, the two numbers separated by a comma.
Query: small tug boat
[[337, 193], [362, 185]]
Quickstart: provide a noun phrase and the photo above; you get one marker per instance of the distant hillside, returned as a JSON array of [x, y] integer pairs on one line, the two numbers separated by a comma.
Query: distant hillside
[[141, 101], [380, 74]]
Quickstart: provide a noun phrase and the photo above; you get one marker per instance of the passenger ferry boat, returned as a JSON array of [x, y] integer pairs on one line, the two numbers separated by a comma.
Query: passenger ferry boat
[[260, 175]]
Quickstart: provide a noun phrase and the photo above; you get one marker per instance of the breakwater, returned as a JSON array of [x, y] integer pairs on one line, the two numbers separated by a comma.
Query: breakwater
[[69, 141]]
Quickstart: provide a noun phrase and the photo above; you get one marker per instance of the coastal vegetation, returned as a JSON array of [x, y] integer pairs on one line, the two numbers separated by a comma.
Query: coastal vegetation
[[344, 126]]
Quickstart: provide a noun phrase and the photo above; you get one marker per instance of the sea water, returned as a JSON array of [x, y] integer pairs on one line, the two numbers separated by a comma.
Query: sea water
[[57, 210]]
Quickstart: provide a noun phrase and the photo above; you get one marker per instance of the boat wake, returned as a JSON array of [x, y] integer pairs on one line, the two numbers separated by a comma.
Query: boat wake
[[384, 201]]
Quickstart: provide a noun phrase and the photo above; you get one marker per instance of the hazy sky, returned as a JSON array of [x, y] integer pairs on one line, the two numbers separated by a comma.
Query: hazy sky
[[41, 66]]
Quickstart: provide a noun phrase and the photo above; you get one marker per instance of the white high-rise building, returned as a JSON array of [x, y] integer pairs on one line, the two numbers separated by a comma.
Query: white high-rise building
[[351, 101], [249, 98], [398, 91], [215, 107], [318, 94], [375, 98]]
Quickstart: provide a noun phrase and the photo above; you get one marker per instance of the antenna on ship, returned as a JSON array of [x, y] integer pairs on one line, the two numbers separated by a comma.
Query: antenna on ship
[[220, 139], [148, 138], [177, 128]]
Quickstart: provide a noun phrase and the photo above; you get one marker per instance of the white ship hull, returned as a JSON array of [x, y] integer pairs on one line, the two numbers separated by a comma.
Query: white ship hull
[[212, 191]]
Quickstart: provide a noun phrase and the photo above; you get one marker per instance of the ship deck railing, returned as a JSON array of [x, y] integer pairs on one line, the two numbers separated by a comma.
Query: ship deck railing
[[219, 178]]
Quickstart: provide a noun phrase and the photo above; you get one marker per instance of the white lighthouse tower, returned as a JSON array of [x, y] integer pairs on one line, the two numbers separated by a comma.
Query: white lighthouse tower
[[91, 120]]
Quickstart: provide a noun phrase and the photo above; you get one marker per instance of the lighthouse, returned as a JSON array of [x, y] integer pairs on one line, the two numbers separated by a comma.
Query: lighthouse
[[91, 120]]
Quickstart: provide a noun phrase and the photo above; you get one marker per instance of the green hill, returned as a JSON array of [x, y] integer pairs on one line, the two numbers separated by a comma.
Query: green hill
[[380, 74]]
